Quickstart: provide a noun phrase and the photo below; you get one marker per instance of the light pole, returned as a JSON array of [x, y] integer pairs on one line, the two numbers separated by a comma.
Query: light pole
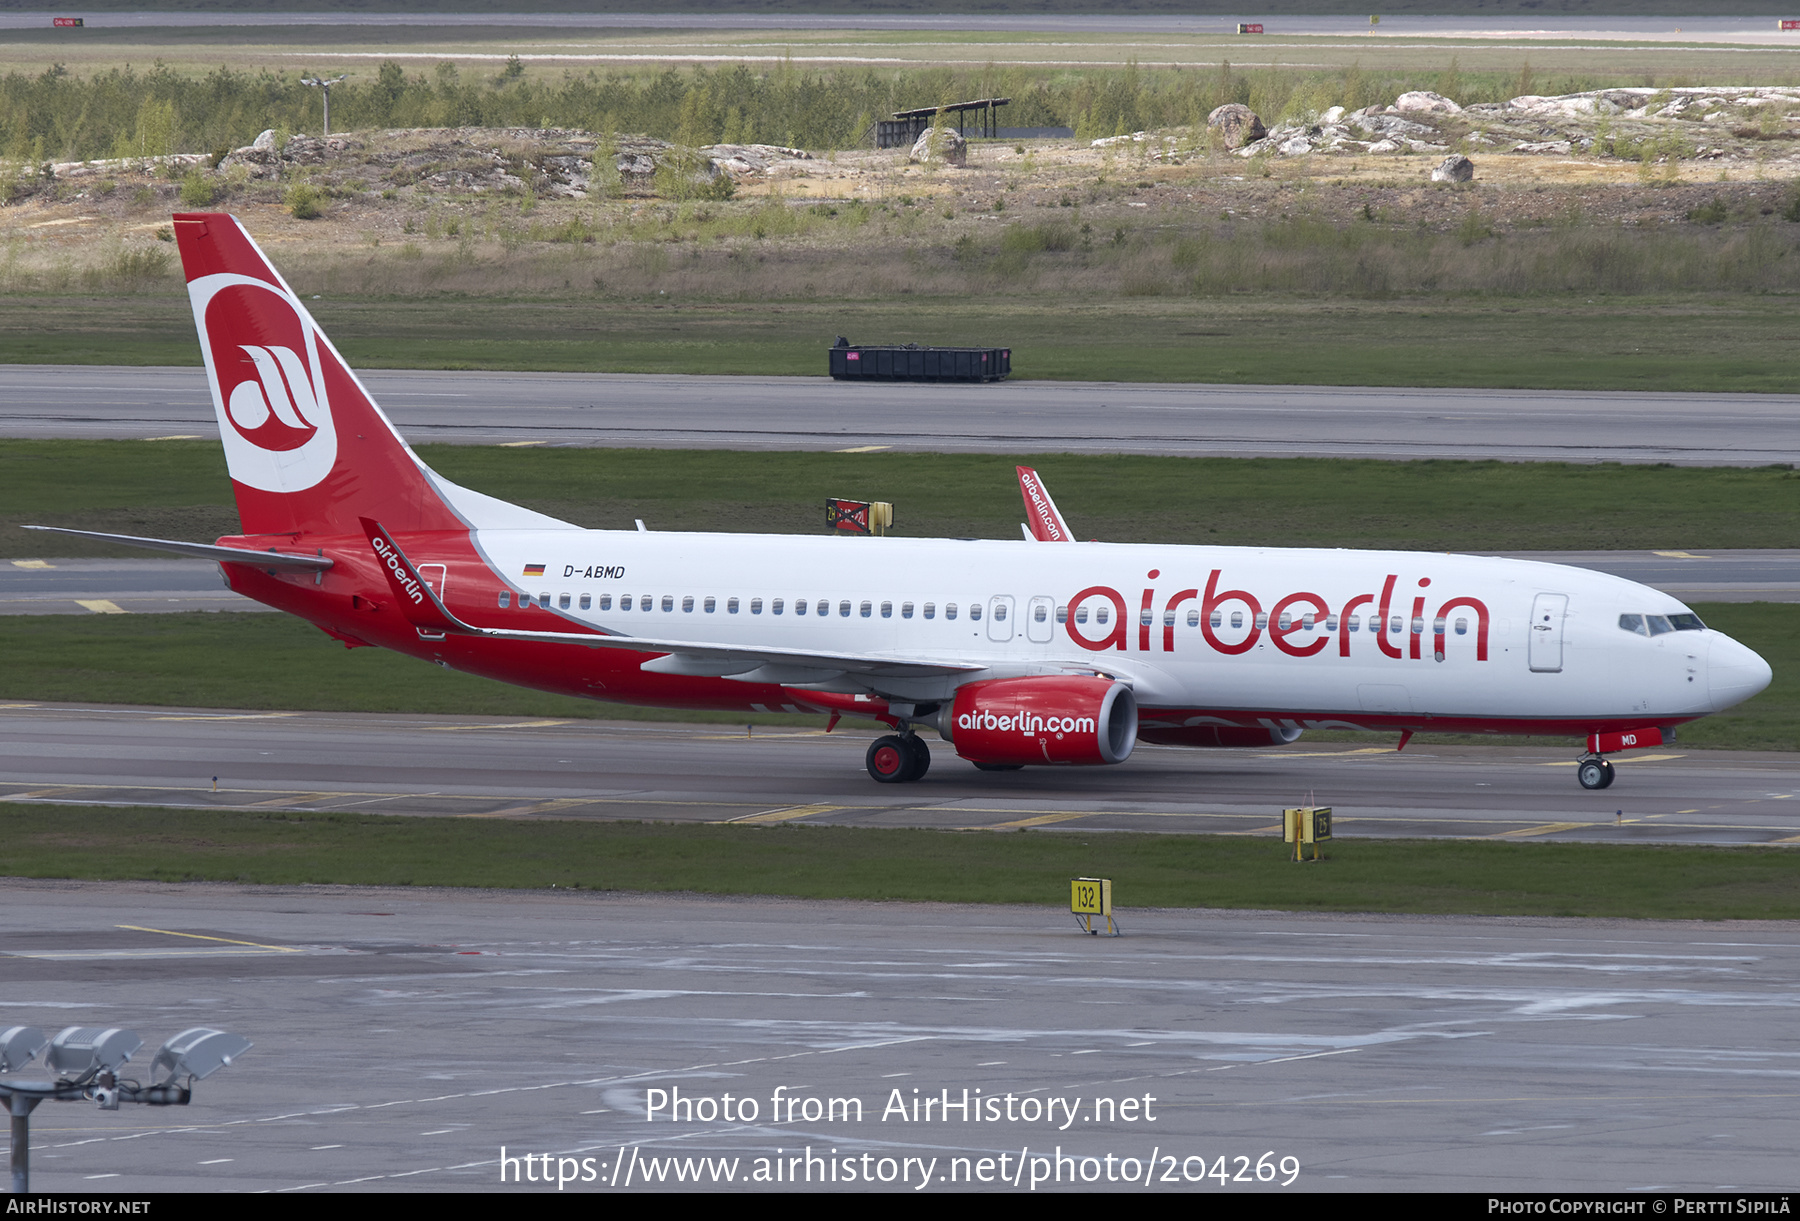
[[325, 86]]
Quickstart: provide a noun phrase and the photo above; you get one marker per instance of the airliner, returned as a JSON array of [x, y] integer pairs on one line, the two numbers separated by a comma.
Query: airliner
[[1037, 651]]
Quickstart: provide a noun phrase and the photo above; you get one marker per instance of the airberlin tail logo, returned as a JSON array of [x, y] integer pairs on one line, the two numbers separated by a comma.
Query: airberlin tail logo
[[264, 359], [274, 408]]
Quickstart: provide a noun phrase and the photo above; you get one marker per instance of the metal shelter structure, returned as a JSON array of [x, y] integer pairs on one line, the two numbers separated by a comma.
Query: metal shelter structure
[[905, 128]]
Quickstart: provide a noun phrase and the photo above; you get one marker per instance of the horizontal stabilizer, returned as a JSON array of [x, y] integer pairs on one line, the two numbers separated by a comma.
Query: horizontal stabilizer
[[204, 551]]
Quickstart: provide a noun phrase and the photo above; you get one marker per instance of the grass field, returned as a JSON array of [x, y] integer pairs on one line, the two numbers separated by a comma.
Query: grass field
[[178, 489], [1420, 876], [278, 662], [1653, 344]]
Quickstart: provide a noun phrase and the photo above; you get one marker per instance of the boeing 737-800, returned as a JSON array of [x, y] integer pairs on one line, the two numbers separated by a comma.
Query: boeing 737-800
[[1038, 651]]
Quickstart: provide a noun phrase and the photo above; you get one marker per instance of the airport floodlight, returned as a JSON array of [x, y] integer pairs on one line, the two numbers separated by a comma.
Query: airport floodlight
[[196, 1054], [19, 1046], [324, 86], [80, 1052]]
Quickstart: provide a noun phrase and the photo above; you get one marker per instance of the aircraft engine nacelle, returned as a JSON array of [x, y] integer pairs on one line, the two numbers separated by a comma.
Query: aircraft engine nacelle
[[1054, 719], [1218, 735]]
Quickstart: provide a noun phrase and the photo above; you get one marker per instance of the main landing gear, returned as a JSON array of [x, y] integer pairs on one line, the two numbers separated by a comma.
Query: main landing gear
[[898, 758], [1594, 772]]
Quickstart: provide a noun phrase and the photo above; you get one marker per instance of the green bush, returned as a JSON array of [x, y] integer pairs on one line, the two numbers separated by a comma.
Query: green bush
[[305, 201], [197, 191]]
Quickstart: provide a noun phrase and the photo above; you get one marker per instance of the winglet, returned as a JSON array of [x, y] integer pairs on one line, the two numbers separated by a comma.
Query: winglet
[[417, 601], [1044, 522]]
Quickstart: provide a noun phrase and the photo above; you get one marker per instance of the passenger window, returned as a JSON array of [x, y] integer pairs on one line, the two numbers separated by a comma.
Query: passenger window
[[1394, 625], [1437, 626], [544, 600], [709, 605], [1331, 622], [865, 610], [587, 600], [731, 606], [625, 602], [1262, 621], [1237, 618], [1081, 614], [563, 602], [1040, 613], [774, 607], [1418, 627], [930, 610], [799, 606], [887, 610], [606, 602], [999, 612], [1354, 623], [949, 610], [906, 610], [1146, 616], [1462, 627], [1102, 614], [1193, 618], [756, 606], [1217, 619], [824, 608], [1169, 618], [1285, 622], [974, 610], [506, 597], [1306, 623], [1062, 614], [843, 610]]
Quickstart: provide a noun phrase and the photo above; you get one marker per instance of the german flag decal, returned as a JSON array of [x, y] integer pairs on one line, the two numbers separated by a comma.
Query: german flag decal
[[534, 570]]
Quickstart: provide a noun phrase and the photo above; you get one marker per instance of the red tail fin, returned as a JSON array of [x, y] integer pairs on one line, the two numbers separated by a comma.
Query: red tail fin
[[308, 450], [1041, 518]]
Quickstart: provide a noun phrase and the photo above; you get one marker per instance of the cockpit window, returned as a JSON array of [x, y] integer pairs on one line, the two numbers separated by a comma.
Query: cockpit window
[[1687, 623], [1659, 624], [1633, 623]]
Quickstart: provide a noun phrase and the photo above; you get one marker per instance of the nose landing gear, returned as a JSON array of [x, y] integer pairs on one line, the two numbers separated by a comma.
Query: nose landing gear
[[1594, 772]]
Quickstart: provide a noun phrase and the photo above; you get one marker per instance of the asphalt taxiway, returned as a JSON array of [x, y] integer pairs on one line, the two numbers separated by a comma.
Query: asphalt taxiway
[[491, 767], [1016, 417], [407, 1040]]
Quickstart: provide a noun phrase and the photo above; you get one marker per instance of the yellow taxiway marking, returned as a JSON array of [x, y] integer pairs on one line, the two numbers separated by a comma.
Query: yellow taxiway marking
[[138, 928], [101, 606], [786, 814], [508, 725], [31, 564], [1621, 759], [1040, 821], [518, 444], [1329, 754], [1680, 555], [229, 716], [863, 449], [1549, 828], [180, 436], [536, 807]]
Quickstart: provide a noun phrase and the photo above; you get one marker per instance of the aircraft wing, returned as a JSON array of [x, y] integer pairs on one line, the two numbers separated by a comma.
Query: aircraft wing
[[791, 667], [288, 561]]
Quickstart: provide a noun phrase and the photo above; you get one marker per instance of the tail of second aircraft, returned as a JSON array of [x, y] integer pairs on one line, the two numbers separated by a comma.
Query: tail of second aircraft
[[308, 450]]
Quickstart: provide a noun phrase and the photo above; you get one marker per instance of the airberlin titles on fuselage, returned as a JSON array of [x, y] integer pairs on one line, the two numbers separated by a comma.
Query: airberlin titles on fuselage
[[1293, 615]]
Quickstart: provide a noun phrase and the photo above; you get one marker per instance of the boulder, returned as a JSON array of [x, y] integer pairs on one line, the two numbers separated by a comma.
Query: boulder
[[940, 144], [1237, 123], [1454, 168], [264, 143], [1427, 102]]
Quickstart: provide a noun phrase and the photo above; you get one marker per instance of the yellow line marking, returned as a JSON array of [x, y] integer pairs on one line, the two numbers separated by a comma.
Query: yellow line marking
[[1680, 555], [1272, 827], [509, 725], [1687, 811], [1330, 754], [1549, 828], [787, 814], [1619, 758], [167, 932], [536, 807], [229, 716], [101, 606], [1040, 821], [180, 436], [518, 444], [862, 449], [18, 705], [31, 564]]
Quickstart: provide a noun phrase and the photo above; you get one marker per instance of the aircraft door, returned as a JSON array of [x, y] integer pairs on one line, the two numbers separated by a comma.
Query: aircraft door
[[1000, 617], [1546, 649], [1040, 620]]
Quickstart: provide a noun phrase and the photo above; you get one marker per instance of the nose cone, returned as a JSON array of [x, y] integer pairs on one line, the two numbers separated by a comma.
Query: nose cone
[[1734, 673]]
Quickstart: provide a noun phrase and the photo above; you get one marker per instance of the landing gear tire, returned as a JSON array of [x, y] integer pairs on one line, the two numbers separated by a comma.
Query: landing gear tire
[[890, 760], [1594, 774], [999, 767], [918, 757]]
